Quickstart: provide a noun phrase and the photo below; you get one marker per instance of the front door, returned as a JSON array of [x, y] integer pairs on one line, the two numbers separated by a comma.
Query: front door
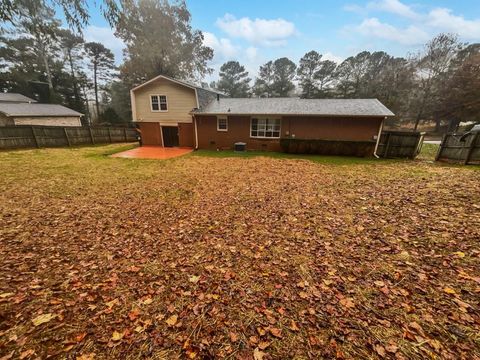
[[170, 136]]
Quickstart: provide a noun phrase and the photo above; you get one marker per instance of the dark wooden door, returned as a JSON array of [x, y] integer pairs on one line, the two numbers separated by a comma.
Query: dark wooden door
[[170, 136]]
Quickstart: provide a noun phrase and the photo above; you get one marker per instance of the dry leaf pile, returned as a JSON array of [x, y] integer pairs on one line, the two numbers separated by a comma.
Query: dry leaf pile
[[236, 258]]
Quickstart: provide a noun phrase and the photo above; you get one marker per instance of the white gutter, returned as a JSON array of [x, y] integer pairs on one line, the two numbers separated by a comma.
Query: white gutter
[[378, 139]]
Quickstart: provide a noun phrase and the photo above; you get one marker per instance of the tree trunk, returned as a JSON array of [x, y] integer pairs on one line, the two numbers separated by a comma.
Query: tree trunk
[[47, 67], [89, 116], [76, 93], [97, 105]]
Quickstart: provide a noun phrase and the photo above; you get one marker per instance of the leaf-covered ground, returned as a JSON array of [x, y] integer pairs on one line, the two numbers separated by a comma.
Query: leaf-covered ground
[[243, 258]]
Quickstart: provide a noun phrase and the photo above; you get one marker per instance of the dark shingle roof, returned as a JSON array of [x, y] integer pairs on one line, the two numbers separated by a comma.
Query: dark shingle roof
[[296, 106], [181, 82], [23, 109], [14, 97]]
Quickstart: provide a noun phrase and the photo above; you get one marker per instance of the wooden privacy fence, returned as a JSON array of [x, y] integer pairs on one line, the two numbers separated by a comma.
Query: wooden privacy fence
[[400, 144], [12, 137], [460, 148]]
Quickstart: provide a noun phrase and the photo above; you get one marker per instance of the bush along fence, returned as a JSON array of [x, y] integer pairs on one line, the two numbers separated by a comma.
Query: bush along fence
[[392, 144], [400, 144], [12, 137], [460, 148], [327, 147]]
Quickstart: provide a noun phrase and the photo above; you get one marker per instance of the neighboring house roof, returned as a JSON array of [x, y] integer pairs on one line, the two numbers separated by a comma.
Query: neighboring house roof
[[296, 106], [14, 97], [181, 82], [22, 109]]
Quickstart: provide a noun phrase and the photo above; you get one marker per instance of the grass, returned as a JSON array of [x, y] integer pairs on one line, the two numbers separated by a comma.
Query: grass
[[227, 255], [321, 159]]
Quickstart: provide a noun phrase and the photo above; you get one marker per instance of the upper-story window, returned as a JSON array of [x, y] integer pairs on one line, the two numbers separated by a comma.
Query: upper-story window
[[222, 124], [159, 102]]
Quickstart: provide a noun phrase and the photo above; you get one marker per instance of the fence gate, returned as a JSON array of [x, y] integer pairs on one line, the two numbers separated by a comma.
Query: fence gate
[[460, 148], [400, 144]]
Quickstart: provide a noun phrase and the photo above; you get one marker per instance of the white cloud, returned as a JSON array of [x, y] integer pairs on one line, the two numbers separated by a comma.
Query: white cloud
[[265, 32], [106, 36], [394, 7], [411, 35], [332, 57], [251, 53], [223, 49], [444, 20]]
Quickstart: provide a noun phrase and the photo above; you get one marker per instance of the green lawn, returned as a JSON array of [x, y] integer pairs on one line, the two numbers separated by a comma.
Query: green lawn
[[236, 256]]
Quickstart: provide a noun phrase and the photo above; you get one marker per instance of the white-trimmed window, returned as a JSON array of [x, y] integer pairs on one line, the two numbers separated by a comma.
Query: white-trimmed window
[[222, 124], [158, 102], [265, 128]]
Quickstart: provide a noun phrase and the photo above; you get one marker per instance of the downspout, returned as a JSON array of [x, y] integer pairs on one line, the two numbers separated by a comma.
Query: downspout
[[196, 131], [378, 138]]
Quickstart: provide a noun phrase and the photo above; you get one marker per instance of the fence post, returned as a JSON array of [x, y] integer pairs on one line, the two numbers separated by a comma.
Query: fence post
[[66, 136], [35, 137], [471, 148], [109, 135], [91, 135], [387, 146], [125, 133], [442, 143]]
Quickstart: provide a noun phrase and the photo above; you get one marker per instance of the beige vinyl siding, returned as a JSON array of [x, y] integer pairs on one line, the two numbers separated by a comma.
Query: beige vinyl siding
[[49, 121], [180, 101]]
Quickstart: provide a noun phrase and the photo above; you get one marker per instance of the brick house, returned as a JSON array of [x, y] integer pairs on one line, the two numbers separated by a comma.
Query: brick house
[[174, 113]]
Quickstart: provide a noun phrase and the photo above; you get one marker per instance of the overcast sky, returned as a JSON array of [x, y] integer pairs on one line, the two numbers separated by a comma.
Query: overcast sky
[[254, 32]]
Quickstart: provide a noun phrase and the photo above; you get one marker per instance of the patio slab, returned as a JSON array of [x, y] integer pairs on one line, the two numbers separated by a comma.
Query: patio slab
[[153, 152]]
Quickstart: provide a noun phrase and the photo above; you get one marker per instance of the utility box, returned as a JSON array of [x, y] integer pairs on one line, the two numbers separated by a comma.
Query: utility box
[[240, 146]]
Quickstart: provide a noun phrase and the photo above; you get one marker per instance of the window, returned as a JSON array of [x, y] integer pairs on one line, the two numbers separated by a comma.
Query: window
[[159, 102], [265, 128], [222, 124]]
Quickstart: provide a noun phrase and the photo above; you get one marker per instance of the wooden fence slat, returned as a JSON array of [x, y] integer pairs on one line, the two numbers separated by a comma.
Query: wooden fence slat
[[66, 136], [472, 147], [35, 137]]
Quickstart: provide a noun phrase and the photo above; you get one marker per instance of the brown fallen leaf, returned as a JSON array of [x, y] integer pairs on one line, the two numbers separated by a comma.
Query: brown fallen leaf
[[133, 315], [380, 350], [347, 303], [257, 354], [194, 279], [172, 320], [449, 290], [80, 337], [261, 331], [262, 345], [147, 301], [26, 353], [89, 356], [391, 348], [42, 319], [275, 332], [117, 336], [293, 326], [379, 283], [233, 336]]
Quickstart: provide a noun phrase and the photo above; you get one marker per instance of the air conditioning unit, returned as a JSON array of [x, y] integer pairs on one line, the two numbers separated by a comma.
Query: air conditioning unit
[[240, 146]]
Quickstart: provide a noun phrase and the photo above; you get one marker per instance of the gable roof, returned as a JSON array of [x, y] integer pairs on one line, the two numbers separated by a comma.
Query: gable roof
[[180, 82], [296, 106], [34, 109], [14, 97]]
